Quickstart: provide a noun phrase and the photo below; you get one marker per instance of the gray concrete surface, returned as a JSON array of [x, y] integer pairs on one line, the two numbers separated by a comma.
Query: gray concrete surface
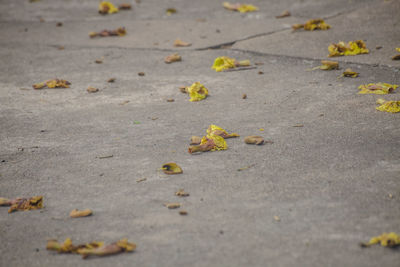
[[328, 181]]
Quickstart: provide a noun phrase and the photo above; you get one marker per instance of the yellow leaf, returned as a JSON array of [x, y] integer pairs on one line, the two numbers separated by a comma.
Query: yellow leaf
[[350, 73], [386, 240], [209, 143], [197, 92], [170, 11], [216, 130], [107, 8], [377, 88], [242, 8], [171, 168], [312, 24], [351, 49], [172, 205], [224, 63], [32, 203], [389, 106]]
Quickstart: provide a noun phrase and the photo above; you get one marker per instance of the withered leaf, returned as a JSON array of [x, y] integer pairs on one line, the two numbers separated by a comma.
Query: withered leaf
[[183, 212], [171, 168], [91, 89], [216, 130], [350, 49], [209, 143], [244, 96], [75, 213], [172, 58], [172, 205], [386, 240], [141, 73], [125, 6], [329, 65], [55, 83], [107, 8], [24, 204], [181, 193], [311, 25], [350, 73], [254, 140], [242, 8], [121, 31], [180, 43], [283, 14]]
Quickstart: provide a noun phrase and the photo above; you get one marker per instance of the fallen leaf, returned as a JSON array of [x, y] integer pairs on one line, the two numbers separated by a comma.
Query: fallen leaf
[[377, 88], [98, 61], [197, 92], [107, 8], [171, 168], [254, 140], [32, 203], [61, 47], [242, 8], [91, 89], [386, 240], [329, 65], [350, 49], [298, 125], [388, 106], [195, 140], [59, 24], [172, 205], [141, 73], [170, 100], [125, 6], [218, 131], [141, 180], [55, 83], [245, 168], [224, 63], [261, 129], [180, 43], [396, 57], [121, 31], [283, 14], [276, 218], [209, 143], [111, 80], [260, 72], [106, 157], [183, 89], [80, 213], [312, 24], [170, 11], [183, 212], [181, 193], [172, 58], [350, 73], [244, 96]]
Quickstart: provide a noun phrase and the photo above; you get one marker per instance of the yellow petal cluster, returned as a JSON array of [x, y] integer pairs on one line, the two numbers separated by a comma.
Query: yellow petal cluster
[[197, 92], [389, 106], [107, 8], [219, 142], [316, 24], [223, 63], [350, 49], [242, 8], [377, 88], [386, 240], [216, 130]]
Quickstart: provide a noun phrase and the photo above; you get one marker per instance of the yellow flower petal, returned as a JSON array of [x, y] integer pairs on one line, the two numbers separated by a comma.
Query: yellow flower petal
[[386, 240], [351, 49], [377, 88], [316, 24], [390, 106], [223, 63], [107, 8], [216, 130], [197, 92], [171, 168], [242, 8]]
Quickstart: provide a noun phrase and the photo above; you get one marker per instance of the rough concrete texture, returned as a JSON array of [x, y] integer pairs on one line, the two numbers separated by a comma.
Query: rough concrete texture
[[334, 182]]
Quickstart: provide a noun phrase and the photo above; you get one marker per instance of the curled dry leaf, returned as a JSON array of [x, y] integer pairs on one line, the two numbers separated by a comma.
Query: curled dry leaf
[[388, 106], [172, 205], [224, 63], [350, 73], [171, 168], [91, 89], [125, 6], [283, 14], [195, 140], [242, 8], [377, 88], [311, 25], [107, 8], [93, 248], [386, 240], [121, 31], [172, 58], [209, 143], [180, 43], [254, 140], [32, 203], [181, 193], [350, 49], [55, 83], [216, 130], [75, 213], [197, 92]]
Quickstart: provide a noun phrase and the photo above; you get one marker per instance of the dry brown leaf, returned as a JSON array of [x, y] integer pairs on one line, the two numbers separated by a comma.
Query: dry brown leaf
[[141, 73], [91, 89], [125, 6], [170, 100], [181, 193], [173, 58], [195, 140], [254, 139], [75, 213], [244, 96], [172, 205], [111, 80], [32, 203], [283, 14], [98, 61], [141, 180], [171, 168], [183, 212], [170, 11], [121, 31], [180, 43], [55, 83]]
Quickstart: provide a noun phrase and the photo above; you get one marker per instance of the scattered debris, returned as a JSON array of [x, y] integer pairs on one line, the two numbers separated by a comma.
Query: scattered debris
[[91, 89], [261, 129], [111, 80], [180, 43], [298, 125], [385, 240], [141, 180], [195, 140], [75, 213], [61, 47], [93, 248], [218, 131], [209, 143], [283, 14], [59, 24], [107, 8], [388, 106], [105, 157], [245, 168], [170, 100], [378, 47], [173, 58], [377, 88], [350, 73], [172, 205], [141, 73], [244, 96], [311, 25], [121, 31], [276, 218], [24, 204], [183, 212], [351, 49], [55, 83], [260, 72], [242, 8], [98, 61], [197, 92], [254, 140], [224, 63], [170, 11], [171, 168], [181, 193]]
